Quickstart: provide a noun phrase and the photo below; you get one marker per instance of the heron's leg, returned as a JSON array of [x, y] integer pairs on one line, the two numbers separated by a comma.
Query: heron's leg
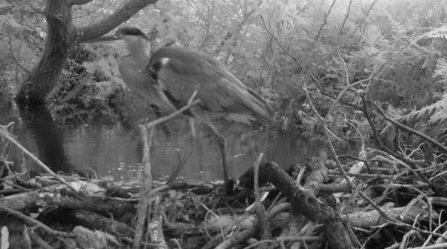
[[221, 141], [187, 155]]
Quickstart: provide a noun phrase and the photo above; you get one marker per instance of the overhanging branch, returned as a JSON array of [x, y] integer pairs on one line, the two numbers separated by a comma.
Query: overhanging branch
[[112, 21], [79, 2]]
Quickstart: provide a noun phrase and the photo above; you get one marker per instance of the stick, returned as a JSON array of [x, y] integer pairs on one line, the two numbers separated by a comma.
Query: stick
[[4, 133], [176, 113]]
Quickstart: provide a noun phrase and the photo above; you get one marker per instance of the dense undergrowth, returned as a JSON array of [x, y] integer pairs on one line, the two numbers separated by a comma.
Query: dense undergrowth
[[370, 71], [389, 52]]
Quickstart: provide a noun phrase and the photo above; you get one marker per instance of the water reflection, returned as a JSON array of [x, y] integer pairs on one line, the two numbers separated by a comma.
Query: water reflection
[[112, 150]]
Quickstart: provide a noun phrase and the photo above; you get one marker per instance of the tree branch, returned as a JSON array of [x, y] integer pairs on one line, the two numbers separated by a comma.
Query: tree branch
[[36, 223], [108, 23], [408, 129], [79, 2], [5, 134], [176, 113], [17, 59]]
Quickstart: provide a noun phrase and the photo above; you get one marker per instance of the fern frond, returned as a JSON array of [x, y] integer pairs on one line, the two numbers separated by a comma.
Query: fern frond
[[441, 114], [397, 28], [436, 112], [441, 68], [440, 32]]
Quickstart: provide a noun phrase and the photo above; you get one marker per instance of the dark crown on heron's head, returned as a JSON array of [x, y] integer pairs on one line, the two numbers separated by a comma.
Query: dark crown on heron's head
[[130, 31]]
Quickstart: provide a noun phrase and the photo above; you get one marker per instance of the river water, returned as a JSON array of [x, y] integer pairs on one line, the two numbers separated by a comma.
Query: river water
[[115, 150]]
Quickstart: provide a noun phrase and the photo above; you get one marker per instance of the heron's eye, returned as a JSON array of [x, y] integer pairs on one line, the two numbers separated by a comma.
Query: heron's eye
[[154, 68]]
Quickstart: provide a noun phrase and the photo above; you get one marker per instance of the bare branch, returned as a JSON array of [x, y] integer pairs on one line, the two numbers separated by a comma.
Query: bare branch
[[4, 133], [16, 59], [176, 113], [279, 44], [233, 35], [364, 18], [36, 223], [34, 9], [79, 2], [108, 23], [322, 25], [144, 205], [408, 129], [344, 21]]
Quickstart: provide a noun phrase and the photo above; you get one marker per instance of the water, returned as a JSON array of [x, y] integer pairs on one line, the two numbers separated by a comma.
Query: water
[[114, 150]]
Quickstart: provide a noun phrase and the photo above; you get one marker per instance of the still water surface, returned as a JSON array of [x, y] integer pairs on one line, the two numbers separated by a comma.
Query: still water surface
[[114, 150]]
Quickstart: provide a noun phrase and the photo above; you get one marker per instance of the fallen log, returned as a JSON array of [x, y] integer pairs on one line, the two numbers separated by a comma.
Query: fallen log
[[304, 202], [95, 221]]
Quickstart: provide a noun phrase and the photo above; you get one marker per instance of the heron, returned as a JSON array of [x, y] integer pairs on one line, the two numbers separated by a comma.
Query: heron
[[171, 75]]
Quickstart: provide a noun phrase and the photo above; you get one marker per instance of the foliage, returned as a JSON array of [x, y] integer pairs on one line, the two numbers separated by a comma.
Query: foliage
[[18, 48], [391, 51], [320, 64]]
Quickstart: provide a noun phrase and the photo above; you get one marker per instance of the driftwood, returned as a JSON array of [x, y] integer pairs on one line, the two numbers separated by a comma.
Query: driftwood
[[414, 211], [304, 219], [246, 234], [93, 239], [95, 221], [20, 201], [304, 202], [98, 205]]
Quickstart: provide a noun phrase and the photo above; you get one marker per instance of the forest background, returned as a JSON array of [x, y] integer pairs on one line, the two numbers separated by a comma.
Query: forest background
[[337, 71], [315, 62]]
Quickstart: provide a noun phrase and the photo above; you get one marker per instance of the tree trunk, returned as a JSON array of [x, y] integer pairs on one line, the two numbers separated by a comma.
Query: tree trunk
[[45, 74], [62, 35]]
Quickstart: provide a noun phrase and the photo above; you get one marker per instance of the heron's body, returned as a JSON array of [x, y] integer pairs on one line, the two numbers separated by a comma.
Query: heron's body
[[132, 72], [181, 72], [171, 75]]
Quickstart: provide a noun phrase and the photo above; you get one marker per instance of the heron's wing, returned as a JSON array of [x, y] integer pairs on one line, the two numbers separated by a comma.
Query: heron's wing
[[218, 89], [141, 83]]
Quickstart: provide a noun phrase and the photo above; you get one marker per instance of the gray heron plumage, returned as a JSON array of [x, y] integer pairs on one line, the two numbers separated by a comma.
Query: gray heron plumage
[[169, 77]]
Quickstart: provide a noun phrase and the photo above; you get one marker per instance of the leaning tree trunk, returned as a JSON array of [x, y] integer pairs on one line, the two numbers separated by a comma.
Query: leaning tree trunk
[[61, 36], [46, 73]]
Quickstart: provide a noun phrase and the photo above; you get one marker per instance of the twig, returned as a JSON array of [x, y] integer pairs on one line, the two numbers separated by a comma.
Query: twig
[[176, 113], [396, 222], [408, 129], [144, 203], [436, 246], [263, 224], [5, 128], [300, 238], [36, 223], [4, 133], [209, 211], [323, 24], [261, 243], [279, 44], [344, 21], [35, 9], [387, 150], [364, 18], [256, 179], [17, 59], [253, 230]]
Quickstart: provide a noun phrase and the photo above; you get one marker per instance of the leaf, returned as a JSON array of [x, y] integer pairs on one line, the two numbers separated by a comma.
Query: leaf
[[90, 67], [441, 68]]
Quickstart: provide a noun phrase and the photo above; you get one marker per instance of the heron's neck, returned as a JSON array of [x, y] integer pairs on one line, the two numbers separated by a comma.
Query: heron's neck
[[140, 51]]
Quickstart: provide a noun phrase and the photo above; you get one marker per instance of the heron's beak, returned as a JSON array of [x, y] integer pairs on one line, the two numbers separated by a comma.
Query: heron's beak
[[105, 40]]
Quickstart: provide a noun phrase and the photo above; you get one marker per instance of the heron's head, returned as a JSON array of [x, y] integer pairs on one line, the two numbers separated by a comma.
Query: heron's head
[[134, 39], [130, 35]]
